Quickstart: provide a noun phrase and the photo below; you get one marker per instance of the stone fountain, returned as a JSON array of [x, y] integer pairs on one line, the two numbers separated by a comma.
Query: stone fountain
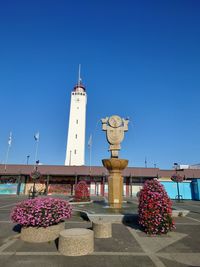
[[115, 127]]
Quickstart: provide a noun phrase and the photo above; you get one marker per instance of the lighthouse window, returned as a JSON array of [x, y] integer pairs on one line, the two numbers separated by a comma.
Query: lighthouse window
[[76, 136], [76, 121], [75, 151]]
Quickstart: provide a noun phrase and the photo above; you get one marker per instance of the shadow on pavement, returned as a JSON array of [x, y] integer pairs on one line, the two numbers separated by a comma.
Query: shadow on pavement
[[56, 242], [131, 220], [84, 216], [17, 228]]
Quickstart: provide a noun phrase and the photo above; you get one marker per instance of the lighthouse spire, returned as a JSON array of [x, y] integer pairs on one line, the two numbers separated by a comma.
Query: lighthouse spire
[[79, 74]]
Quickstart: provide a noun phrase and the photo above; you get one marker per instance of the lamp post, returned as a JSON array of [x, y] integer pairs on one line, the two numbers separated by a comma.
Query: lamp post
[[76, 179], [103, 183], [27, 159], [75, 182], [131, 181], [19, 183], [35, 175], [47, 184], [177, 178]]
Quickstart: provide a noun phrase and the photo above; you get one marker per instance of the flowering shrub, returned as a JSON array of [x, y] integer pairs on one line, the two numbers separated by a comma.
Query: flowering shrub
[[155, 209], [82, 192], [177, 178], [41, 212]]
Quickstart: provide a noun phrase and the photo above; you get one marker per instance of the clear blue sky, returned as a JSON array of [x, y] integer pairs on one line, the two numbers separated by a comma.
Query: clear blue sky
[[139, 59]]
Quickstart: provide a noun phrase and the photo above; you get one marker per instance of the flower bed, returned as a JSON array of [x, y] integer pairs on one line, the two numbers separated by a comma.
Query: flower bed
[[41, 218], [82, 193], [177, 178], [41, 234], [155, 209], [41, 212]]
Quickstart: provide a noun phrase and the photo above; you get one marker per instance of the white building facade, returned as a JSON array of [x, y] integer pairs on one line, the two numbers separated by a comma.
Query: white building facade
[[75, 152]]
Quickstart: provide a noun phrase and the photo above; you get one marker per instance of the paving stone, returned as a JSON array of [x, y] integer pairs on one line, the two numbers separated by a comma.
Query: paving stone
[[190, 243], [82, 261], [170, 263], [120, 251], [6, 231], [22, 246], [121, 240]]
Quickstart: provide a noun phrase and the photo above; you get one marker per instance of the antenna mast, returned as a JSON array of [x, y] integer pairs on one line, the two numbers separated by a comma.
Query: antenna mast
[[79, 74]]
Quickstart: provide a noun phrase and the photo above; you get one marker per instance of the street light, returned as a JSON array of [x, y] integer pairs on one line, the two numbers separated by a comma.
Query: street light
[[103, 177], [177, 178], [35, 175], [27, 161]]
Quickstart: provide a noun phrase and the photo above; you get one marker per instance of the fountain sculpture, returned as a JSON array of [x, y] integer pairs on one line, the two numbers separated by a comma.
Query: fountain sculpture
[[115, 127]]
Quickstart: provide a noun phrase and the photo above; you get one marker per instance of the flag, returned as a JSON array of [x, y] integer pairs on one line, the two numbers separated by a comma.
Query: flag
[[145, 162], [37, 136], [10, 139], [90, 141]]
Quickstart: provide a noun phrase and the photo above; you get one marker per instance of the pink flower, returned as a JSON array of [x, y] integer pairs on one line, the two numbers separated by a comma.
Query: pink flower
[[41, 212], [155, 209]]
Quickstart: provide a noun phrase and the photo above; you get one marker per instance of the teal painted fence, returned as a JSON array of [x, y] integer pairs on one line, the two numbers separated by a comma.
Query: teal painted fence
[[196, 189], [185, 189], [11, 189]]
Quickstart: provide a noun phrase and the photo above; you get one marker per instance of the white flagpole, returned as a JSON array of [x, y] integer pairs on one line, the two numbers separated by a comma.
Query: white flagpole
[[8, 149], [37, 137], [90, 151], [90, 157], [36, 150]]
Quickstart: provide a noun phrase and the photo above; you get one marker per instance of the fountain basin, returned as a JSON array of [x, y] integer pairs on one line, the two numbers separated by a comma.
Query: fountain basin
[[115, 166]]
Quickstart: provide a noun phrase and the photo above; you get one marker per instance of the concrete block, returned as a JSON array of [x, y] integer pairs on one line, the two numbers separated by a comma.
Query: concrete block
[[76, 242], [102, 229]]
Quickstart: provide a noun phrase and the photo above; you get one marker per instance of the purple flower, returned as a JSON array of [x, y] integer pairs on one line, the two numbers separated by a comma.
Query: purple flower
[[41, 212]]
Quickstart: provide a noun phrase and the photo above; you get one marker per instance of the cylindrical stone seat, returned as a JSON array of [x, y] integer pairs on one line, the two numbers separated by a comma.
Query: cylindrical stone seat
[[76, 242], [102, 229]]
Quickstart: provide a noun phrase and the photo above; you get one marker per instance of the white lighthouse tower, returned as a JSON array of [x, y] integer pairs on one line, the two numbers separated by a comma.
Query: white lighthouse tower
[[75, 153]]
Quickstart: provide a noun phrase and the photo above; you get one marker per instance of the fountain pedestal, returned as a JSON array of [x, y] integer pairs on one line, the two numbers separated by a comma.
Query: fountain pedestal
[[115, 166]]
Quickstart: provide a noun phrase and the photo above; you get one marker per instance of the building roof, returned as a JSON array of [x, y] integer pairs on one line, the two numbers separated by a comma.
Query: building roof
[[61, 170], [195, 166]]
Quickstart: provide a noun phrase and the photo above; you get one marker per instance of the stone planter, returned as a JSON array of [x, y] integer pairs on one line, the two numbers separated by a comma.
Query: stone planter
[[102, 229], [76, 242], [41, 234]]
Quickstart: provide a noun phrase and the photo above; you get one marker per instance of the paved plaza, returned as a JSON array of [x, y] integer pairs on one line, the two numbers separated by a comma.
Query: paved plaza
[[127, 247]]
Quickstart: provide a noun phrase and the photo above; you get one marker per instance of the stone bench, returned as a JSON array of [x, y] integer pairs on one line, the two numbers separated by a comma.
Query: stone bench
[[76, 242], [102, 229]]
